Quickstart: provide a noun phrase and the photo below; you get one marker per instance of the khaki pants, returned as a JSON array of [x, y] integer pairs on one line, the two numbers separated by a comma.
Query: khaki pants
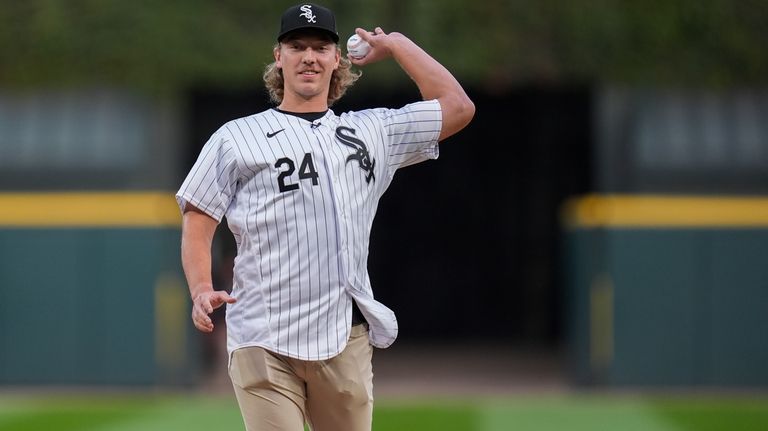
[[280, 393]]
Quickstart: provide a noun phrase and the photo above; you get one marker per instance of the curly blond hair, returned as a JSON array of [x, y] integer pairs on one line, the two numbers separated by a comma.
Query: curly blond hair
[[341, 79]]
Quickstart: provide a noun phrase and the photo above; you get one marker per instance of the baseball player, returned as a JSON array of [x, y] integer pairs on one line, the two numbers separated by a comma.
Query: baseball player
[[300, 185]]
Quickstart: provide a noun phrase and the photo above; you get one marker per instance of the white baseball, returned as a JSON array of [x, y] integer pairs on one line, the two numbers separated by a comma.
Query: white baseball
[[357, 47]]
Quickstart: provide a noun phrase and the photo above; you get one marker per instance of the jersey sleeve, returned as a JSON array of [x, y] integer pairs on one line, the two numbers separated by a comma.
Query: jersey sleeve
[[212, 181], [412, 133]]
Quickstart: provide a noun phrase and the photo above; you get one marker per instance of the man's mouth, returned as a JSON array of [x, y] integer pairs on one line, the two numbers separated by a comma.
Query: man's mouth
[[310, 72]]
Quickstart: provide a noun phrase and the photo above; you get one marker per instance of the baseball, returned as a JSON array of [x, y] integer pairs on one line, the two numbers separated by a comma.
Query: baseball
[[357, 47]]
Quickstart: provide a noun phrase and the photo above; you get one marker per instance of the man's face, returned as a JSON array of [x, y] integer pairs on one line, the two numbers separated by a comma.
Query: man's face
[[308, 61]]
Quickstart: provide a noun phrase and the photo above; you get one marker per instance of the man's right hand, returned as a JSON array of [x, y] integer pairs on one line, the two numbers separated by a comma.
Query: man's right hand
[[204, 304]]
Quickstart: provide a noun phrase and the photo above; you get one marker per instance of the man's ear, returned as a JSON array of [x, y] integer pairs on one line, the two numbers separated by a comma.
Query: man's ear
[[338, 58], [276, 53]]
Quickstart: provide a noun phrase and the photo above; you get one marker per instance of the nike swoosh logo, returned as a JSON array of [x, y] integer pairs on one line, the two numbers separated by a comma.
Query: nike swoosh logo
[[272, 134]]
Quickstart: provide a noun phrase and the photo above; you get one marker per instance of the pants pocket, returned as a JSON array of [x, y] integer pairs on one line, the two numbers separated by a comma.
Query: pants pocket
[[249, 368]]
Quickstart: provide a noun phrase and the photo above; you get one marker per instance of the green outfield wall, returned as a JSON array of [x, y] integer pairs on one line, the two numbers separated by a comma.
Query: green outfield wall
[[667, 291], [91, 290]]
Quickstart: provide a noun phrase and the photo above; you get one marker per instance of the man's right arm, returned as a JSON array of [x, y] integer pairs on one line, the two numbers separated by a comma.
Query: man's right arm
[[197, 233]]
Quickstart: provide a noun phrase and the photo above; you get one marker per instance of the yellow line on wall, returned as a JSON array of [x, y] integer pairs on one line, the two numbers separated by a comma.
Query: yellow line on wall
[[86, 209], [666, 211]]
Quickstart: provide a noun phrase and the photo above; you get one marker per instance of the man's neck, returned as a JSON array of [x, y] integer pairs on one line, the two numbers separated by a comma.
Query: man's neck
[[318, 104]]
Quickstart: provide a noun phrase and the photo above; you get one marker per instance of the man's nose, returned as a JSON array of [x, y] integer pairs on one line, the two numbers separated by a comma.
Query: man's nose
[[309, 55]]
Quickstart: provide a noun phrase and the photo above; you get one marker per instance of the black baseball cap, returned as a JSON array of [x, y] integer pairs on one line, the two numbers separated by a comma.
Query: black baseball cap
[[308, 15]]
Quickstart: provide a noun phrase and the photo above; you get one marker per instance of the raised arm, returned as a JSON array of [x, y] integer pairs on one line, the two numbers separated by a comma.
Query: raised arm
[[197, 233], [432, 78]]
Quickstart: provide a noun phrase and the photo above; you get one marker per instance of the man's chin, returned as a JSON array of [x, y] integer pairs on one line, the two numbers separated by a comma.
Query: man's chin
[[309, 93]]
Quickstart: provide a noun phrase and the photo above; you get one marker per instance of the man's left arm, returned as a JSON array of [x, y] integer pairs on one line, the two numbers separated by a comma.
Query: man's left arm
[[432, 78]]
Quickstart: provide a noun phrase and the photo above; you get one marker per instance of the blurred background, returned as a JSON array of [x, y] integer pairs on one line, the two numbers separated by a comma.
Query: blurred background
[[600, 227]]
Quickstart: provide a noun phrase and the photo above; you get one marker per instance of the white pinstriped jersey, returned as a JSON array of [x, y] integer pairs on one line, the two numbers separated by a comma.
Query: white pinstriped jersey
[[300, 198]]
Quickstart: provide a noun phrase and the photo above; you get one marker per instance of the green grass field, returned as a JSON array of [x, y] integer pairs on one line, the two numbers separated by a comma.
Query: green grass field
[[571, 412]]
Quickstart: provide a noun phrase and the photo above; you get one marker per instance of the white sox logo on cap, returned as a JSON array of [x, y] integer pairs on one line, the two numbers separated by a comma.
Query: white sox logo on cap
[[308, 16], [307, 13]]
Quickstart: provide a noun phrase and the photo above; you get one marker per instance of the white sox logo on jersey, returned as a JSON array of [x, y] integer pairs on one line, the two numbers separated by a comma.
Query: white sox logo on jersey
[[307, 9], [361, 151]]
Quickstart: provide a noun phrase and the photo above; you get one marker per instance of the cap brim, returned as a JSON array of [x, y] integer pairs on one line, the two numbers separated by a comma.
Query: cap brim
[[309, 29]]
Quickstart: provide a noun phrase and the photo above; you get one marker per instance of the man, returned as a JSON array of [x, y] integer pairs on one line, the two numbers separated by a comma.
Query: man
[[300, 186]]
